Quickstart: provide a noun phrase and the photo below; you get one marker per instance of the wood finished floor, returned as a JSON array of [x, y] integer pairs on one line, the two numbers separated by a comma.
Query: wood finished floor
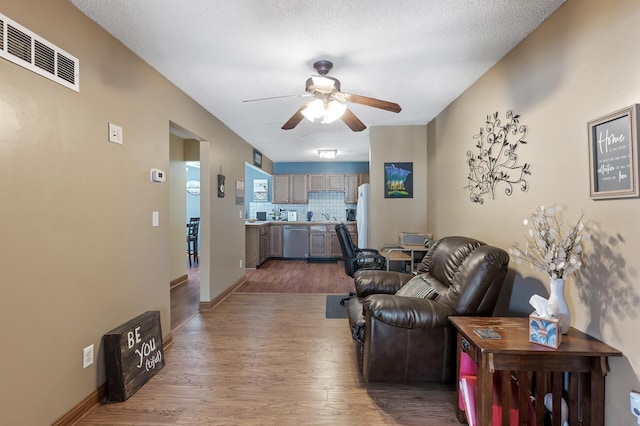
[[272, 359]]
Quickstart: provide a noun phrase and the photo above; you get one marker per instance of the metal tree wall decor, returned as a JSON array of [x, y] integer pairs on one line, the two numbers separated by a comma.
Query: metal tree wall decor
[[495, 163]]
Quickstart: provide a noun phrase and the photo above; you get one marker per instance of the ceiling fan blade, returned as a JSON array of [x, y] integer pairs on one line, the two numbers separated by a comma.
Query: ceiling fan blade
[[295, 118], [272, 97], [375, 103], [352, 121]]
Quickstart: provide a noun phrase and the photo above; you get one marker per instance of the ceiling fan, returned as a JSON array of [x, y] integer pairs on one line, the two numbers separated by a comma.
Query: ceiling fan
[[329, 103]]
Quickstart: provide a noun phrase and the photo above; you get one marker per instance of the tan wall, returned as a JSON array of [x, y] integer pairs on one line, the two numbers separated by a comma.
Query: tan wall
[[78, 253], [177, 207], [390, 216], [580, 64]]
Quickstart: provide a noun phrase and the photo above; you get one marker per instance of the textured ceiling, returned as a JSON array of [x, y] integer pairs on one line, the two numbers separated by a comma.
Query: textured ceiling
[[421, 54]]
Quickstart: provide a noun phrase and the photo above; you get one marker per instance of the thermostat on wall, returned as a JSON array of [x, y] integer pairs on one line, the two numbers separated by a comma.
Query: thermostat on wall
[[157, 175]]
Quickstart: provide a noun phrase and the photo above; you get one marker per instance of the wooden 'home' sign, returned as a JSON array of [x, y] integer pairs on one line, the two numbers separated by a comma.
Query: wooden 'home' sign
[[133, 355]]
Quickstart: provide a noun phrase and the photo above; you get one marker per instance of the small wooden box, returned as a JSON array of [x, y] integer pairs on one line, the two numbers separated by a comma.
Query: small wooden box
[[544, 331], [133, 354]]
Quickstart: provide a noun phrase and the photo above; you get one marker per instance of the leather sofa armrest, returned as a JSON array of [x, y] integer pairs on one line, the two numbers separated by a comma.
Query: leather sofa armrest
[[369, 282], [408, 312]]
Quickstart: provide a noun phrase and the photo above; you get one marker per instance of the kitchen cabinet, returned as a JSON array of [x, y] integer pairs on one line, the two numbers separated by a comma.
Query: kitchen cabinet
[[317, 183], [351, 189], [351, 184], [290, 189], [326, 182], [280, 189], [256, 245], [335, 182], [334, 245], [275, 240], [264, 244], [323, 241], [317, 241]]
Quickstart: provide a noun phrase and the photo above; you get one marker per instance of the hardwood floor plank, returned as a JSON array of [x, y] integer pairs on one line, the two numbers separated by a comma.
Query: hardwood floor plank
[[297, 276], [272, 359]]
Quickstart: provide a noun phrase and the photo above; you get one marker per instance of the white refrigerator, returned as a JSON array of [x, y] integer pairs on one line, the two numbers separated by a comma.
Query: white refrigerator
[[362, 215]]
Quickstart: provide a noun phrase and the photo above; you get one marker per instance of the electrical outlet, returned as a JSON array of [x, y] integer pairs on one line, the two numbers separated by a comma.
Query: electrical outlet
[[240, 263], [115, 133], [87, 356], [155, 219]]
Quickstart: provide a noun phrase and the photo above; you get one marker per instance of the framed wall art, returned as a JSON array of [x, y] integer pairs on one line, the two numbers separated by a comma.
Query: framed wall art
[[257, 158], [239, 192], [613, 154], [398, 180]]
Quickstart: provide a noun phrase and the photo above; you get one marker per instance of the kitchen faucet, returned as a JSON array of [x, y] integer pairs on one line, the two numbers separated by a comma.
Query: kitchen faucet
[[326, 216]]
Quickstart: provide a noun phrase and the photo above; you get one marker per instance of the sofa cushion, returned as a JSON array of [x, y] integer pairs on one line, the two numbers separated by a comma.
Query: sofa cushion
[[418, 287]]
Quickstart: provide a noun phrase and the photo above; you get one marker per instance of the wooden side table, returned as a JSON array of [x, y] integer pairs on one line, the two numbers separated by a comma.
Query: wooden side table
[[582, 357]]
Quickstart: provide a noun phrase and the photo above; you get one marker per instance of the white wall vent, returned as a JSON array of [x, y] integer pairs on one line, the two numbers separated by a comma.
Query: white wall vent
[[24, 48]]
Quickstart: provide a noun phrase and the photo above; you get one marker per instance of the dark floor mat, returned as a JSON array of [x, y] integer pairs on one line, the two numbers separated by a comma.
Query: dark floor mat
[[334, 309]]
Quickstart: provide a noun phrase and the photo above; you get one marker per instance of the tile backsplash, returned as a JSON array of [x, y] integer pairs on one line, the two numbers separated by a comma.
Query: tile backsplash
[[330, 203]]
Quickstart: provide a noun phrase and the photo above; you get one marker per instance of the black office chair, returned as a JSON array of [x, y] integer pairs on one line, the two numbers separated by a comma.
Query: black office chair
[[192, 240], [355, 258]]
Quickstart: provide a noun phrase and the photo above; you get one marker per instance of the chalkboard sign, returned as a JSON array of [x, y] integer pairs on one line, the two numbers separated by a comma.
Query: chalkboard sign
[[133, 354], [613, 156]]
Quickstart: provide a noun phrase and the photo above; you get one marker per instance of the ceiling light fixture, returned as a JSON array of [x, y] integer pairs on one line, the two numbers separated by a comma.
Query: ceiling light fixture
[[327, 153], [327, 111]]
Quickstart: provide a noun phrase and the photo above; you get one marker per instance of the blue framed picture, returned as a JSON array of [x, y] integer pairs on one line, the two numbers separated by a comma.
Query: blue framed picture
[[398, 180]]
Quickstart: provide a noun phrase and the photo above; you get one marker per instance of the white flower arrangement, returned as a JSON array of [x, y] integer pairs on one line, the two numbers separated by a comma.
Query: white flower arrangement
[[552, 248]]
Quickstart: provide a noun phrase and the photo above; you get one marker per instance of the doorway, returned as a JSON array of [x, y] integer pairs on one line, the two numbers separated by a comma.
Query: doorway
[[185, 202]]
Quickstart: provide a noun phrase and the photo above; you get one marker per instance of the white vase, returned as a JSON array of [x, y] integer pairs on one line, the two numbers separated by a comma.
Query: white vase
[[557, 301]]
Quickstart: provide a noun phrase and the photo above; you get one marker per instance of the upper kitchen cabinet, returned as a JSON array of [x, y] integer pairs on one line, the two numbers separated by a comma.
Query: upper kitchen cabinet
[[335, 182], [351, 189], [317, 183], [326, 182], [290, 189], [351, 184]]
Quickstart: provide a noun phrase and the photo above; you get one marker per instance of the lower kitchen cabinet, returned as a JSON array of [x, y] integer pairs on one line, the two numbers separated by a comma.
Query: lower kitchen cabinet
[[323, 242], [275, 240], [256, 245], [334, 245], [264, 243], [317, 241]]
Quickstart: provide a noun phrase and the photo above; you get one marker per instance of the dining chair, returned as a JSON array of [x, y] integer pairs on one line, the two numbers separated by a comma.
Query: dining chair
[[192, 240]]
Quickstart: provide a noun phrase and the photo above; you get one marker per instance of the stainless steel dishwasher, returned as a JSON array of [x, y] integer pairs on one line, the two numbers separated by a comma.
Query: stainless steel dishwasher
[[296, 241]]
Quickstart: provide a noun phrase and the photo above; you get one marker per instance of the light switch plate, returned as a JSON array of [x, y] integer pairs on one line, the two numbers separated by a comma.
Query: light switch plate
[[87, 356], [155, 219]]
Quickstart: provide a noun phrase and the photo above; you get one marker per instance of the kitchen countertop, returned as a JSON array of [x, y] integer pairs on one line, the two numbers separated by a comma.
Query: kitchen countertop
[[284, 222]]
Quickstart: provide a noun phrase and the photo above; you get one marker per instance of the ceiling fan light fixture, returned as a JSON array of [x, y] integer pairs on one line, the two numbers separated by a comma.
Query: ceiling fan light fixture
[[314, 110], [324, 84], [334, 110], [327, 153]]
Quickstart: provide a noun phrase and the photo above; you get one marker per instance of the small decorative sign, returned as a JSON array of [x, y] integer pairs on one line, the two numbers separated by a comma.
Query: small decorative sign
[[613, 154], [133, 354]]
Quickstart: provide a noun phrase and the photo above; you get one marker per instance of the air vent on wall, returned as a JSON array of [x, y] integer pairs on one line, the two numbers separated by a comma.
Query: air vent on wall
[[23, 47]]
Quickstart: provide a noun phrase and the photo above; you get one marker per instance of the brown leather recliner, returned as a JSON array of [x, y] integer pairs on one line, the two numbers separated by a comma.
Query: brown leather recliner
[[408, 339]]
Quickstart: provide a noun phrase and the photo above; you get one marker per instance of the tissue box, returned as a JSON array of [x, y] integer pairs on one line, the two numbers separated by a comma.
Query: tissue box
[[544, 331]]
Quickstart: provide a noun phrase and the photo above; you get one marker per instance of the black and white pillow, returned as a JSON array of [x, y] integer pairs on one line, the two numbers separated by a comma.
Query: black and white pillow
[[418, 287]]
